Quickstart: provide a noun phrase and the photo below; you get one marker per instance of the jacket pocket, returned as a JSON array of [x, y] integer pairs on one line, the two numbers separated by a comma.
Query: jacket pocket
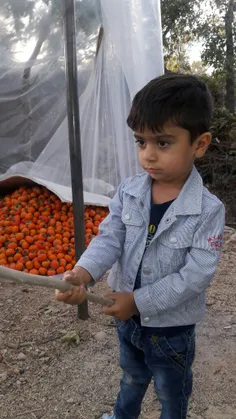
[[133, 222], [172, 252]]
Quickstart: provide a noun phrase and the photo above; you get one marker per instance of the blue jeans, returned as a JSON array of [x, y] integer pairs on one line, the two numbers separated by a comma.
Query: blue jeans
[[168, 360]]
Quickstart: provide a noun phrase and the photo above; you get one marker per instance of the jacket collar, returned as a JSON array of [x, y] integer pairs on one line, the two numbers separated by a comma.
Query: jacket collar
[[189, 200]]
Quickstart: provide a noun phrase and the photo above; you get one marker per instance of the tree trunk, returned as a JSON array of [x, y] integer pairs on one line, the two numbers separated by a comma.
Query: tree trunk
[[99, 41], [230, 72], [43, 34]]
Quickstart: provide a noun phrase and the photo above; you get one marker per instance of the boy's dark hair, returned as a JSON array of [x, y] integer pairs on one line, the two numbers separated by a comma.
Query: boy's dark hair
[[182, 99]]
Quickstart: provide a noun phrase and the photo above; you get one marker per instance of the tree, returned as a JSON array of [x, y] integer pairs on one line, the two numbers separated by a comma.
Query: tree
[[24, 20], [197, 67], [218, 34], [211, 22], [178, 62], [41, 21], [230, 57], [17, 16], [179, 27]]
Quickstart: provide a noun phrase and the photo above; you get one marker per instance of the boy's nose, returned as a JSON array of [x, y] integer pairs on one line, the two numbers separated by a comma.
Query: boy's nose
[[150, 154]]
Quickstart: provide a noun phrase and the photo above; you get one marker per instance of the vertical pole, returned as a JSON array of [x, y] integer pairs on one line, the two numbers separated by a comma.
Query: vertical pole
[[74, 134]]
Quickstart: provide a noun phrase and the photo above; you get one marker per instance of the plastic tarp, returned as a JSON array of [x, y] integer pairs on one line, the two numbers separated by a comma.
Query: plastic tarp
[[34, 133]]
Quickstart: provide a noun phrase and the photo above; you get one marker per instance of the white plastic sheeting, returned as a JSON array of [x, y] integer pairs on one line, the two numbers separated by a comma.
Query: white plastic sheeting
[[34, 134]]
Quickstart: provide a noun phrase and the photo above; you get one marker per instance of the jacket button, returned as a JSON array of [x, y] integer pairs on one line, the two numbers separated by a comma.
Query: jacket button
[[127, 216], [173, 240], [146, 271], [146, 319]]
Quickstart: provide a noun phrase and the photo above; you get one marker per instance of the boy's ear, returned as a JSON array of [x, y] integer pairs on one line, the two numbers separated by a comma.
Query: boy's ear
[[201, 144]]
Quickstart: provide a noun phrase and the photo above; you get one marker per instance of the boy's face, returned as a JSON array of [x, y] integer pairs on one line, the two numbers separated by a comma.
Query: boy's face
[[169, 156]]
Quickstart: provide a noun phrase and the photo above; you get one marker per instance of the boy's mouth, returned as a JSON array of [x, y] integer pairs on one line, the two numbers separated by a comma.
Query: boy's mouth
[[152, 171]]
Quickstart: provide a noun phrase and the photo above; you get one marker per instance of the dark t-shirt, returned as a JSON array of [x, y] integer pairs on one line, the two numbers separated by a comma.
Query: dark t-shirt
[[156, 214]]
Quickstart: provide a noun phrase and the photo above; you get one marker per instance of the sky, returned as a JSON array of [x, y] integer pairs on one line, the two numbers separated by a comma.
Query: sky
[[194, 52]]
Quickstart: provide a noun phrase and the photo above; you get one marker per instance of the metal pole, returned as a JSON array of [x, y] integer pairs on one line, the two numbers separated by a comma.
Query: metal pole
[[74, 134]]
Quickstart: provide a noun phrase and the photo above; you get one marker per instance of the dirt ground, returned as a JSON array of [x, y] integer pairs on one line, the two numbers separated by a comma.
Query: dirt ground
[[49, 378]]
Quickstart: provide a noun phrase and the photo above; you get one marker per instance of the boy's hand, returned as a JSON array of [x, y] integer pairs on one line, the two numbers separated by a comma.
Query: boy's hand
[[78, 276], [124, 305], [73, 297]]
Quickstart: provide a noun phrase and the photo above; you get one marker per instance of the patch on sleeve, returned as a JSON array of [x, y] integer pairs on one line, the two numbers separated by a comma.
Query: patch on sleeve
[[216, 242]]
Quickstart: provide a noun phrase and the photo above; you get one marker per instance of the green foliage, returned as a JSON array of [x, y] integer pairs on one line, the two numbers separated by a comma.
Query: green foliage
[[212, 23], [218, 167], [213, 33], [214, 45], [178, 21], [216, 84], [179, 24], [224, 127], [198, 68], [178, 62]]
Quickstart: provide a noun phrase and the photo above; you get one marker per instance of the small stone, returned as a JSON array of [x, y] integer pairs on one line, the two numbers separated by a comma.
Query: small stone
[[25, 319], [3, 377], [70, 401], [100, 336], [1, 357], [218, 368], [45, 360], [21, 356], [210, 303], [1, 340], [18, 382]]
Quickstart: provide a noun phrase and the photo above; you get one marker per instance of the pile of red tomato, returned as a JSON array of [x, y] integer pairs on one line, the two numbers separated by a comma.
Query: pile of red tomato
[[37, 231]]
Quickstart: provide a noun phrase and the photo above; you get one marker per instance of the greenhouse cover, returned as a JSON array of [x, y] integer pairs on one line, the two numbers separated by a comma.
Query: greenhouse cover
[[119, 49]]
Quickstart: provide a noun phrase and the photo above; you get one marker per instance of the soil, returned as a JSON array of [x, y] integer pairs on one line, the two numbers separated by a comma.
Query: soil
[[49, 378]]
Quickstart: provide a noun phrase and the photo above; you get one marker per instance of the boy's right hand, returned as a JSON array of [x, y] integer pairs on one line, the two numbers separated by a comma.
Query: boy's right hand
[[78, 277]]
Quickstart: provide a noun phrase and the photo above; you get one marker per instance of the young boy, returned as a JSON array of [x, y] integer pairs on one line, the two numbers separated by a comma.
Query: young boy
[[162, 239]]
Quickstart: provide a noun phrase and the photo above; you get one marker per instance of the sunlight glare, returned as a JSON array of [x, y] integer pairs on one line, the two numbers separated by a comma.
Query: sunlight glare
[[23, 51]]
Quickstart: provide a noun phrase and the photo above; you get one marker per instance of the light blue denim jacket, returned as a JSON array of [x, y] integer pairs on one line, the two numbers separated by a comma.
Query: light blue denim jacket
[[182, 257]]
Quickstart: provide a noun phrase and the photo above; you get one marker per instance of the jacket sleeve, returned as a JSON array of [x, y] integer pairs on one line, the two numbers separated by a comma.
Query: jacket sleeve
[[106, 248], [194, 277]]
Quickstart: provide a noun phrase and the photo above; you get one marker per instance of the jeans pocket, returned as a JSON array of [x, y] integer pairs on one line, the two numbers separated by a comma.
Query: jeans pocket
[[120, 323], [174, 349]]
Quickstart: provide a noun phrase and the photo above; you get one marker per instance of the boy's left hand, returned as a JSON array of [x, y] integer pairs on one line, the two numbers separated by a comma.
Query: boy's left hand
[[124, 305]]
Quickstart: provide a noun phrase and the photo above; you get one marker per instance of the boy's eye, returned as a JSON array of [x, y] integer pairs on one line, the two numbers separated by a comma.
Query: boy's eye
[[163, 144], [141, 143]]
